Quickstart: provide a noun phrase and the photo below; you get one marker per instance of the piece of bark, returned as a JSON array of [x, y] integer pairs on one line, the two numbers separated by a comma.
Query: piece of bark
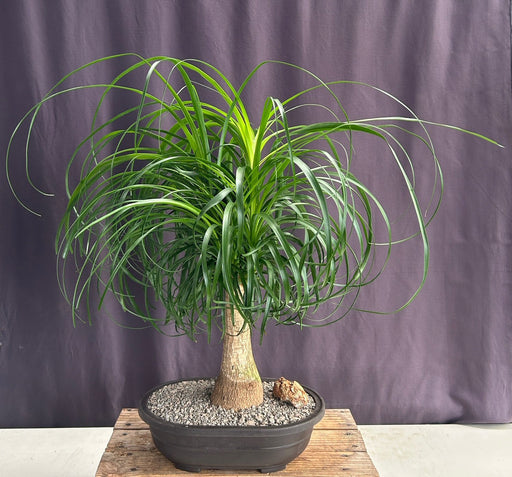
[[291, 392]]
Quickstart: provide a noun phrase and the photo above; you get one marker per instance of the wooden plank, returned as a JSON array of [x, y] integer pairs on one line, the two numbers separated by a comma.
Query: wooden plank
[[129, 419], [328, 464], [130, 441], [317, 464], [338, 440], [337, 419], [336, 449]]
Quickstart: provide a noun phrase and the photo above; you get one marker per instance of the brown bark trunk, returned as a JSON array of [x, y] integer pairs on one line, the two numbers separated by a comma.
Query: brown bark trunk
[[238, 385]]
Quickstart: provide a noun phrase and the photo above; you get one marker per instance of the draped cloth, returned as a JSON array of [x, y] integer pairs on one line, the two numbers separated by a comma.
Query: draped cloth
[[446, 358]]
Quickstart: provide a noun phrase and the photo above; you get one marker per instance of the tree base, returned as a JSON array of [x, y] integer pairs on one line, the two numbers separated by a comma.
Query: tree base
[[236, 394]]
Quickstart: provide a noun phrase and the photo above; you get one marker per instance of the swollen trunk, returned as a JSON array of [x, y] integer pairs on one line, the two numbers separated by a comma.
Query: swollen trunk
[[238, 385]]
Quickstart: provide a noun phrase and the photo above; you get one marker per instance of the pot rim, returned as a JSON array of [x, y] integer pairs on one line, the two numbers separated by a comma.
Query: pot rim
[[154, 420]]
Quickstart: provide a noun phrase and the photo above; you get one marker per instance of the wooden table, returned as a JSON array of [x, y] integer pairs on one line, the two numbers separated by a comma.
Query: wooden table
[[336, 449]]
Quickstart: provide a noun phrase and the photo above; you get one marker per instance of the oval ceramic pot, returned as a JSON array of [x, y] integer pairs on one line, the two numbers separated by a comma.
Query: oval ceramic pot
[[264, 448]]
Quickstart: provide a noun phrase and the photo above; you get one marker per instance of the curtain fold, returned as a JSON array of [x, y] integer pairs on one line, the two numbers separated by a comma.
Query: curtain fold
[[446, 358]]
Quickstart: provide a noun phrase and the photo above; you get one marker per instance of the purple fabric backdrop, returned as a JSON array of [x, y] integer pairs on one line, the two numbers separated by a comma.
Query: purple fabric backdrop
[[447, 358]]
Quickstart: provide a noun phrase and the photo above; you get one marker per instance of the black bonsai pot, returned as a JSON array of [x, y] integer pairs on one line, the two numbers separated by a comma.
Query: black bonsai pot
[[265, 448]]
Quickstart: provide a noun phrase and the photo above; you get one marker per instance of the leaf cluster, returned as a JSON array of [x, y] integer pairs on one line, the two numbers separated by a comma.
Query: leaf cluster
[[184, 206]]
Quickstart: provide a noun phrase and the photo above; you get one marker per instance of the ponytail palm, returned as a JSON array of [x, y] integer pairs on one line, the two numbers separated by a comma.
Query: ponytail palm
[[195, 217]]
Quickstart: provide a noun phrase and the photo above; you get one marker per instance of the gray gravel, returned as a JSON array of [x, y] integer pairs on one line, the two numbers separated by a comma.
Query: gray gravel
[[188, 403]]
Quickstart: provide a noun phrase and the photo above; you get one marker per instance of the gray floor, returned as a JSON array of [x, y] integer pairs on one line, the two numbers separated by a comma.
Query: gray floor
[[397, 451], [440, 450]]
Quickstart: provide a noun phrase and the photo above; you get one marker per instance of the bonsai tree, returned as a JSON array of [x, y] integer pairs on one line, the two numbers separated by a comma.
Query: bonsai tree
[[195, 216]]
